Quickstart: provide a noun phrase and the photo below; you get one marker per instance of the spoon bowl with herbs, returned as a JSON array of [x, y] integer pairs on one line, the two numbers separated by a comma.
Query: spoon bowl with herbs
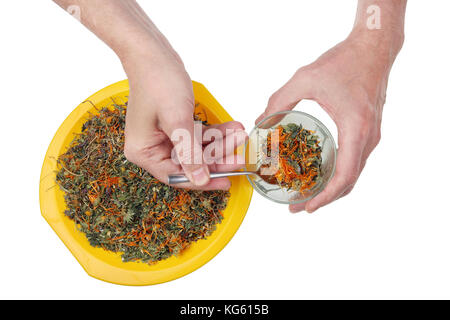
[[294, 155]]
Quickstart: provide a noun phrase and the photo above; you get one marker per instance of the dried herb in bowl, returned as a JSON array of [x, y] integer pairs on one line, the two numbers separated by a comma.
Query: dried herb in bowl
[[122, 208], [299, 158]]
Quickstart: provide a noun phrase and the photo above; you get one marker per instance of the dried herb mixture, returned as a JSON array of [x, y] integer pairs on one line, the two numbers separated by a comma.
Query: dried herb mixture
[[299, 157], [122, 208]]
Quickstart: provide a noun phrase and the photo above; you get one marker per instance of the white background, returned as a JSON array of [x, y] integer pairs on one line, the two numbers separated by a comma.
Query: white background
[[390, 238]]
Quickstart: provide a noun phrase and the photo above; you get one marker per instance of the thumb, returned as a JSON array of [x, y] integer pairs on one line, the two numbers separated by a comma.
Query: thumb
[[287, 97], [186, 136]]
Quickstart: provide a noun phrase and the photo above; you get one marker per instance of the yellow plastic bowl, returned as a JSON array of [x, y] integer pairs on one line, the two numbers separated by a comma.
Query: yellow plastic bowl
[[106, 265]]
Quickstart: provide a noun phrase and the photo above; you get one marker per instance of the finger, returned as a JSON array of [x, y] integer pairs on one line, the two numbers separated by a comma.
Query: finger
[[296, 89], [350, 188], [162, 169], [365, 154], [220, 183], [347, 171], [223, 128], [237, 163], [298, 207], [222, 148], [213, 184], [179, 126], [346, 192], [370, 146]]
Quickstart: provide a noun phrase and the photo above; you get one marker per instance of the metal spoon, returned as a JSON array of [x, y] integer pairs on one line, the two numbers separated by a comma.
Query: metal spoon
[[181, 178]]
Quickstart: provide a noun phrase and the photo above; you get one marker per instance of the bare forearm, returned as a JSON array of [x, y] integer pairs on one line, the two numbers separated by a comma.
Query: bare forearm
[[121, 24], [381, 24]]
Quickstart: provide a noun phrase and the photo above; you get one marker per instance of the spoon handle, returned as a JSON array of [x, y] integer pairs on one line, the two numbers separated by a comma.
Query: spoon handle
[[181, 178]]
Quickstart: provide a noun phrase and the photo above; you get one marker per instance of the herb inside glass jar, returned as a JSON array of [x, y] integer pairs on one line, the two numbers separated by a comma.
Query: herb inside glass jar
[[298, 158]]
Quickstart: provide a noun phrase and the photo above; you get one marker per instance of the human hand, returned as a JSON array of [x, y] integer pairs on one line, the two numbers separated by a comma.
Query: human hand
[[161, 98], [161, 101], [349, 82]]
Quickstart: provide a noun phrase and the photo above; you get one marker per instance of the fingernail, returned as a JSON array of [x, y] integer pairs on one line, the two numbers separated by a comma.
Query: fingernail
[[200, 177]]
